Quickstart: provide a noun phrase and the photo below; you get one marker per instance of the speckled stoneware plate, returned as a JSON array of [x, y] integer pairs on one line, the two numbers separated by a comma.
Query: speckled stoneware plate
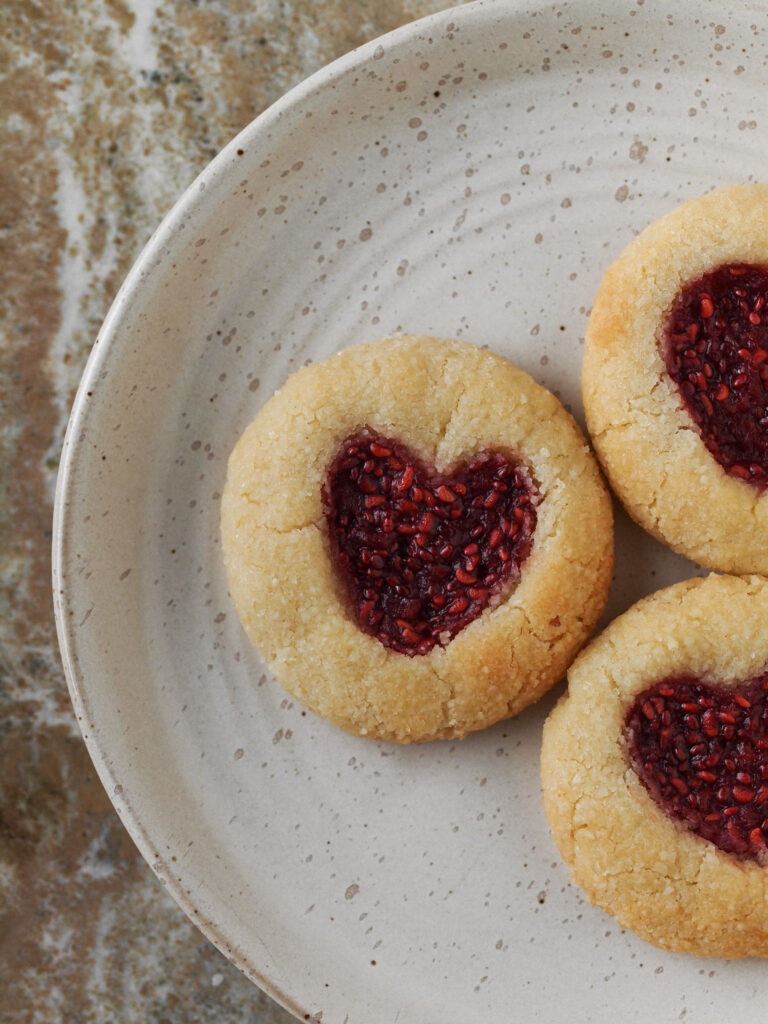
[[470, 175]]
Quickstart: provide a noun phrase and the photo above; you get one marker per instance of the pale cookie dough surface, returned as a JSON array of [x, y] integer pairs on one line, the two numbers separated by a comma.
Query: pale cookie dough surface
[[446, 401], [646, 441], [669, 885]]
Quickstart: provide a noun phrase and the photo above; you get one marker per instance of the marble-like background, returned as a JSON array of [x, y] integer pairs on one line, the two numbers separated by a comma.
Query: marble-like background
[[109, 108]]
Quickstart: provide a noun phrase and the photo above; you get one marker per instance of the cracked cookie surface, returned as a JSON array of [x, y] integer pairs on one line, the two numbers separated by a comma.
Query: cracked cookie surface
[[664, 416], [645, 864], [447, 402]]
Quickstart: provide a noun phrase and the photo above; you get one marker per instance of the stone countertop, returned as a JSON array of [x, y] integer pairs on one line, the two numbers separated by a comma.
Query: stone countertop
[[111, 108]]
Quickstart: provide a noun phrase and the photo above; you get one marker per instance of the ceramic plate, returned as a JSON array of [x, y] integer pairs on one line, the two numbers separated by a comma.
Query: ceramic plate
[[469, 176]]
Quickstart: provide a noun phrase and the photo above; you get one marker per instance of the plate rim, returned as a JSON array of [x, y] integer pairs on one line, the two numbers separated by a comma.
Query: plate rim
[[186, 202]]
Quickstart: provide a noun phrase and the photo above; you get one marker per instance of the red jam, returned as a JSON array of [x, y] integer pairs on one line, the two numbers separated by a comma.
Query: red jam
[[716, 341], [702, 753], [421, 556]]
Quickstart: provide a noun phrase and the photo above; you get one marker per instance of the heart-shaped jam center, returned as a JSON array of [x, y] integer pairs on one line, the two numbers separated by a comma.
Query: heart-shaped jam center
[[717, 354], [421, 556], [702, 753]]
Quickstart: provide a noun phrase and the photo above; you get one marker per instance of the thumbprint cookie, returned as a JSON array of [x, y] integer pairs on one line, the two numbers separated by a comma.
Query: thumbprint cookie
[[417, 538], [655, 768], [675, 379]]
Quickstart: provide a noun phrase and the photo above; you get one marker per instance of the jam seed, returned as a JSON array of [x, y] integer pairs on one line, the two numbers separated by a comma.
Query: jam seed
[[406, 479], [743, 794], [427, 522]]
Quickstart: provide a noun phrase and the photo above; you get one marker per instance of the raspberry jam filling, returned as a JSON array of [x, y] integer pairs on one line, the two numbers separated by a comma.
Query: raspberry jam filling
[[717, 353], [702, 753], [421, 556]]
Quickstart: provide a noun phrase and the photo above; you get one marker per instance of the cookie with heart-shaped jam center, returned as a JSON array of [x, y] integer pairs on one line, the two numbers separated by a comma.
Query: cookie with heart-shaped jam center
[[675, 378], [417, 538], [655, 768], [422, 556]]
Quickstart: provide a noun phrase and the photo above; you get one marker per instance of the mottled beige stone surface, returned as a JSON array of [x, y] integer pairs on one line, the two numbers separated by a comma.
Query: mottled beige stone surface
[[110, 108]]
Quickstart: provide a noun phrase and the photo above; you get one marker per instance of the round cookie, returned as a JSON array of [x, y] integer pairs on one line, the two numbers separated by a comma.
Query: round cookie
[[674, 386], [654, 766], [431, 418]]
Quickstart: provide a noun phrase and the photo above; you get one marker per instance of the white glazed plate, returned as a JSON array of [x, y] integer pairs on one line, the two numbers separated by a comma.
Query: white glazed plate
[[468, 176]]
